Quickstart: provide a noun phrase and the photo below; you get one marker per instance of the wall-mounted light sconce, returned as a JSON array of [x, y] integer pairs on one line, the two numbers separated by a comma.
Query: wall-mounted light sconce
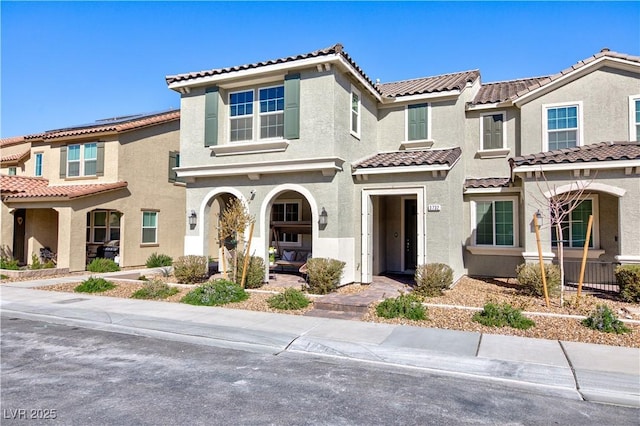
[[193, 219], [324, 218], [540, 218], [252, 194]]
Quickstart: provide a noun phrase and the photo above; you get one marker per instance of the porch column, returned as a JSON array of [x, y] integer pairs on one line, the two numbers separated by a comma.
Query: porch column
[[71, 239], [629, 232]]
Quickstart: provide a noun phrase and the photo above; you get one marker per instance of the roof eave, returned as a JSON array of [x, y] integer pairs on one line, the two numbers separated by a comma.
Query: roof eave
[[591, 165]]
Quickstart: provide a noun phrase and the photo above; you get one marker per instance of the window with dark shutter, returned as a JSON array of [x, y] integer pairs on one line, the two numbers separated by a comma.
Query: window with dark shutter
[[417, 122], [492, 131], [211, 116]]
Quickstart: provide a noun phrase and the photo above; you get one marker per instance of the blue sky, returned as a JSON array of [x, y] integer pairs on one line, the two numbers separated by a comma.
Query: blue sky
[[68, 63]]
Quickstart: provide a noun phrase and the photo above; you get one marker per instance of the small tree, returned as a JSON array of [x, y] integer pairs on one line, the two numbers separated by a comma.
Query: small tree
[[560, 205], [234, 220]]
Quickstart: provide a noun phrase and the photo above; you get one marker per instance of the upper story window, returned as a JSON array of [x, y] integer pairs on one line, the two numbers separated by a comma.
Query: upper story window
[[174, 162], [12, 171], [492, 131], [417, 122], [355, 111], [634, 118], [271, 114], [37, 171], [495, 222], [562, 126], [82, 159]]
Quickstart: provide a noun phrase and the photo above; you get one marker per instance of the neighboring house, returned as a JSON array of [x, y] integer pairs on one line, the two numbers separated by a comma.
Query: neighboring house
[[388, 176], [75, 189]]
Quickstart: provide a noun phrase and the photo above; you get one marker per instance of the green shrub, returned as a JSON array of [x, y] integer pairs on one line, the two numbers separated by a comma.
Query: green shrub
[[324, 274], [502, 315], [255, 271], [35, 262], [11, 264], [156, 260], [603, 319], [94, 285], [628, 277], [216, 293], [530, 279], [407, 306], [190, 269], [291, 299], [432, 278], [155, 289], [102, 265]]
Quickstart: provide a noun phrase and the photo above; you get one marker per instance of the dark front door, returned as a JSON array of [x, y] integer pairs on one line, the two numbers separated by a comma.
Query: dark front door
[[410, 233], [19, 225]]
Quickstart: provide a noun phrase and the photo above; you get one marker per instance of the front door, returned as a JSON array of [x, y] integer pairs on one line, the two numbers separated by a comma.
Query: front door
[[19, 226], [410, 234]]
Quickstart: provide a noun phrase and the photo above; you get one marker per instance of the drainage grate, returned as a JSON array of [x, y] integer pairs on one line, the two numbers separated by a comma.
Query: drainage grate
[[66, 301]]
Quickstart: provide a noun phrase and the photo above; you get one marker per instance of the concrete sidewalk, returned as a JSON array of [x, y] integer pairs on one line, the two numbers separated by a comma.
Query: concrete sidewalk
[[591, 372]]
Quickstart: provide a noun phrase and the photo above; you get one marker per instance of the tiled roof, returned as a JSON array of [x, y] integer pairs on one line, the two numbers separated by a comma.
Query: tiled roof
[[503, 90], [603, 53], [15, 157], [333, 50], [604, 151], [437, 83], [487, 183], [426, 157], [116, 125], [15, 140], [23, 187]]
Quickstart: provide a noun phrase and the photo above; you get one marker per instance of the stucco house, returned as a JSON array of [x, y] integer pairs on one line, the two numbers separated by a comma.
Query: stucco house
[[75, 189], [388, 176]]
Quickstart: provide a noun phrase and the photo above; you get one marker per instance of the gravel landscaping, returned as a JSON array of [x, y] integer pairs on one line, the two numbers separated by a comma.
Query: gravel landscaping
[[455, 308]]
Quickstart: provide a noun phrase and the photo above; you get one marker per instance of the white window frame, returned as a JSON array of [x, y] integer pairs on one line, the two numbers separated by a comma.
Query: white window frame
[[545, 130], [142, 227], [516, 223], [633, 134], [595, 227], [504, 133], [406, 124], [38, 158], [357, 132], [285, 202], [82, 159], [256, 115], [91, 226]]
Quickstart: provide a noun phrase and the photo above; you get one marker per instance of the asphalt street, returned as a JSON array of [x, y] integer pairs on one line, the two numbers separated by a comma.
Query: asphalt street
[[82, 376]]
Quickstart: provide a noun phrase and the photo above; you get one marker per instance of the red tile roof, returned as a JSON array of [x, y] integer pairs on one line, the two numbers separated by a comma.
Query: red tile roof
[[15, 140], [439, 83], [24, 187], [487, 183], [108, 126], [604, 151], [501, 91], [15, 157], [427, 157]]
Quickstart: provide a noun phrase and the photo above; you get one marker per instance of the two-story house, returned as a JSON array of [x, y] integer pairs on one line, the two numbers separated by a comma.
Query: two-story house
[[387, 176], [76, 189]]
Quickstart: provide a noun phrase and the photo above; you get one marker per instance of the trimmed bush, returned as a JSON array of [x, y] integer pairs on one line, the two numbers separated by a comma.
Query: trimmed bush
[[324, 274], [628, 277], [216, 293], [190, 269], [603, 319], [407, 306], [94, 285], [432, 278], [156, 260], [530, 279], [291, 299], [102, 265], [255, 271], [155, 289], [11, 264], [502, 315]]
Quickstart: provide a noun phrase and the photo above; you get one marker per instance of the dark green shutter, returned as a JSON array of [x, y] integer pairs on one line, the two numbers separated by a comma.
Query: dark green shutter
[[417, 122], [292, 106], [100, 159], [174, 161], [63, 162], [211, 116], [492, 131]]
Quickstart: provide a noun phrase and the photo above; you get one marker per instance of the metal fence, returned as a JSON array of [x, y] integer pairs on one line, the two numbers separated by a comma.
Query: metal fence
[[598, 276]]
